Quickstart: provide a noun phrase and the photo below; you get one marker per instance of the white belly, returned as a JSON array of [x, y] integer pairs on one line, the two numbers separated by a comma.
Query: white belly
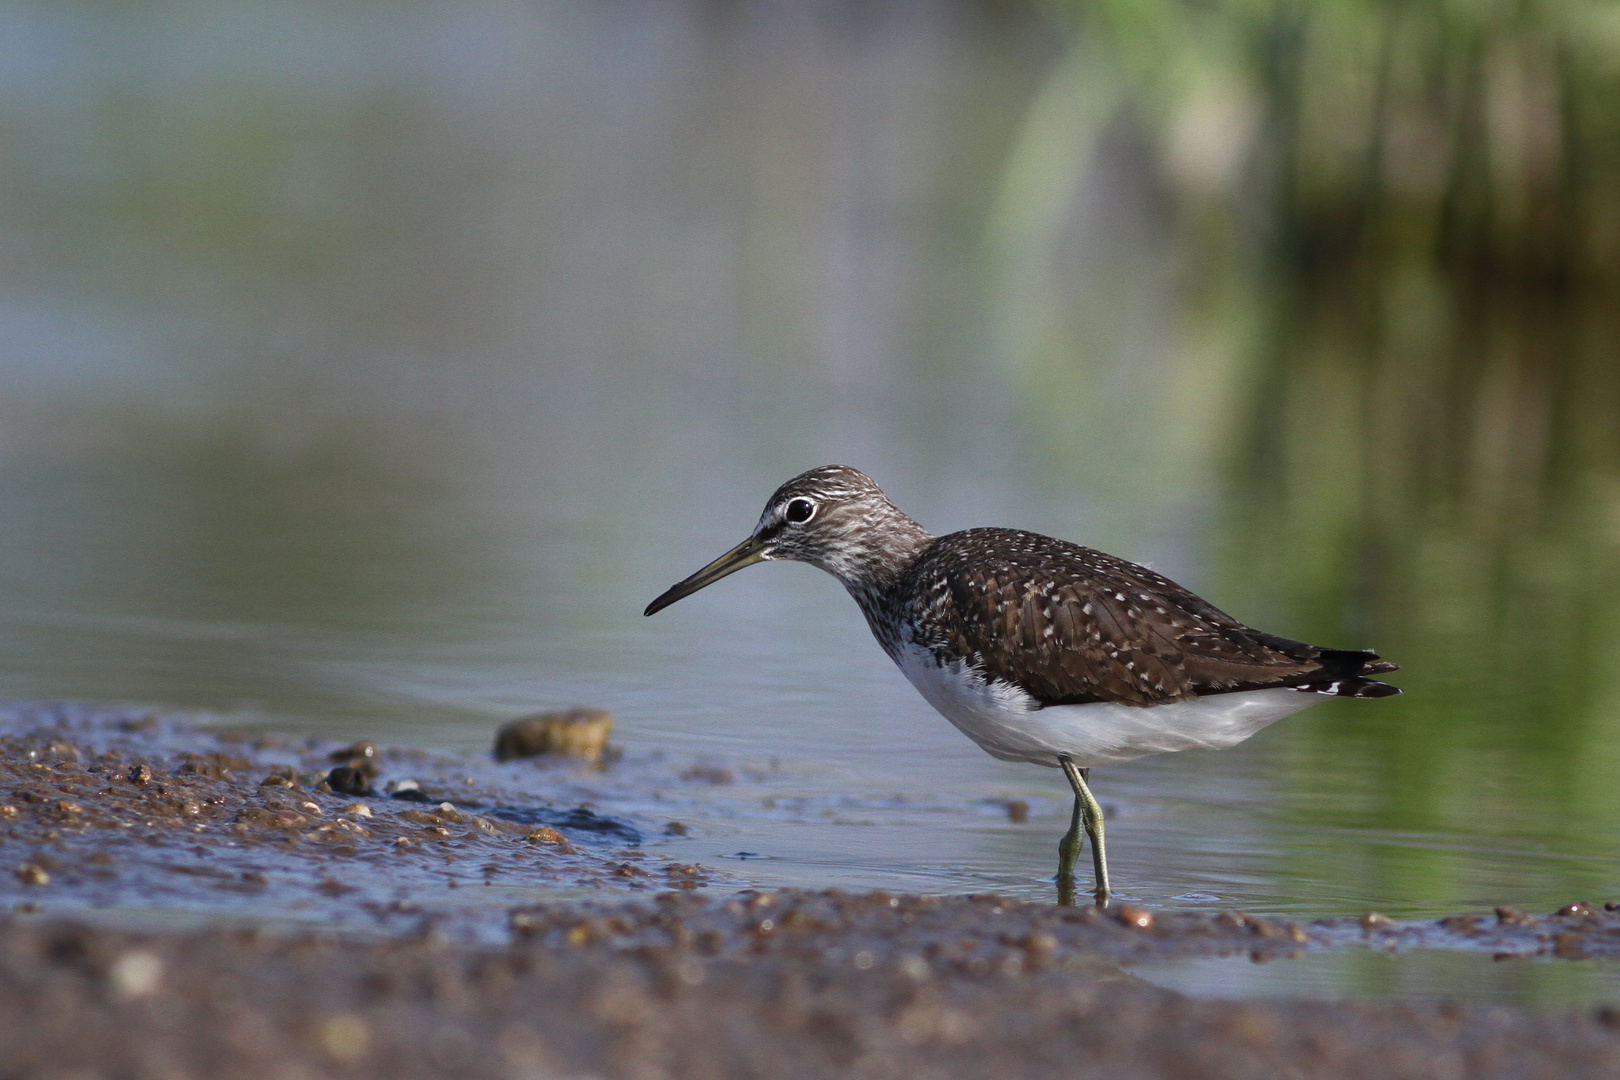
[[1005, 722]]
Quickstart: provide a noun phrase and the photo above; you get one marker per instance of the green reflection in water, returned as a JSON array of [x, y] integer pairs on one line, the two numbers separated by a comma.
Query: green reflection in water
[[1469, 534]]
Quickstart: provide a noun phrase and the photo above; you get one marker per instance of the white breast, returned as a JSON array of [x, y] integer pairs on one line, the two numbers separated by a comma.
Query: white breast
[[1006, 723]]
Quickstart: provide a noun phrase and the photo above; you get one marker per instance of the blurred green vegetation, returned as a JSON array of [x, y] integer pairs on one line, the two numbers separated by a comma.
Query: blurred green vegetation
[[1484, 137]]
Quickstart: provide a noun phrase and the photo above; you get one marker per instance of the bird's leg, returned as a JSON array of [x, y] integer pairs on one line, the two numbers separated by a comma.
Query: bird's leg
[[1068, 855], [1093, 816]]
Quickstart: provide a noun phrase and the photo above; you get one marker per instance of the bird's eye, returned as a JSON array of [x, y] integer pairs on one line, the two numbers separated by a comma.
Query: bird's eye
[[799, 511]]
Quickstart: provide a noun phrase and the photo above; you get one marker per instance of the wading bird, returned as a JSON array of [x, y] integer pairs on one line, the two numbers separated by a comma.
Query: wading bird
[[1041, 650]]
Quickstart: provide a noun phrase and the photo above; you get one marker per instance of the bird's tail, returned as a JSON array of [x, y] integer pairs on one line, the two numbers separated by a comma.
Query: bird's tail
[[1344, 674]]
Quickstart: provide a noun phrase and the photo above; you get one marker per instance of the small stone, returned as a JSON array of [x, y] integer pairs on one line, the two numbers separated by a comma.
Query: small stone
[[347, 780], [135, 974], [345, 1037], [140, 775], [332, 887], [31, 874], [914, 967], [407, 790], [578, 733], [551, 837], [1569, 947], [1372, 920], [276, 780], [1039, 947], [1017, 811], [362, 751], [357, 810], [1135, 916], [676, 828], [1580, 909], [1507, 916]]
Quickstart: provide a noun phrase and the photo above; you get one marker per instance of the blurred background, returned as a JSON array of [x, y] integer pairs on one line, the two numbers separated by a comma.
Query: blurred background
[[366, 368]]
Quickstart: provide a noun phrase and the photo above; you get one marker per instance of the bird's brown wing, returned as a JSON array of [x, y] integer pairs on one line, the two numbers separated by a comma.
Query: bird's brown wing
[[1071, 625]]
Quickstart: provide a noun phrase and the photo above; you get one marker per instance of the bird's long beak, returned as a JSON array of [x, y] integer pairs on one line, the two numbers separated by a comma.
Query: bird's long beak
[[750, 551]]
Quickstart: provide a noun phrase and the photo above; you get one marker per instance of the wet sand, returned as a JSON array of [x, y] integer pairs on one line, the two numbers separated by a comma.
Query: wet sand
[[184, 903]]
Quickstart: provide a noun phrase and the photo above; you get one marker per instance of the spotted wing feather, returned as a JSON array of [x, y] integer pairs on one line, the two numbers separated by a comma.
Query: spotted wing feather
[[1071, 625]]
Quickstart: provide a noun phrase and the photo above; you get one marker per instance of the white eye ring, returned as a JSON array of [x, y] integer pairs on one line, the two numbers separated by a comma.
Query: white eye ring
[[799, 511]]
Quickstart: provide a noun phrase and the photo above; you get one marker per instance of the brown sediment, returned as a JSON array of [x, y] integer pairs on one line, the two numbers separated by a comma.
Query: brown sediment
[[416, 973], [81, 1000], [100, 813]]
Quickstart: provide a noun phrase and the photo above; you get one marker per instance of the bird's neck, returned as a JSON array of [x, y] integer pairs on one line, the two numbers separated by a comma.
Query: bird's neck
[[872, 560]]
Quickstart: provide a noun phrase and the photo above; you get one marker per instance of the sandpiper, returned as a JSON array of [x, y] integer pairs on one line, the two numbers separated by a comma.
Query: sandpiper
[[1041, 650]]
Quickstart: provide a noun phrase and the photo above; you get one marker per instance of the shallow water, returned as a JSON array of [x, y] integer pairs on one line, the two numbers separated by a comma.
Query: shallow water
[[1369, 975], [375, 394]]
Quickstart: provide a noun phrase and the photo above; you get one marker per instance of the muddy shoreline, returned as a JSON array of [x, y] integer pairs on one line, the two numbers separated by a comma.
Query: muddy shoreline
[[203, 904]]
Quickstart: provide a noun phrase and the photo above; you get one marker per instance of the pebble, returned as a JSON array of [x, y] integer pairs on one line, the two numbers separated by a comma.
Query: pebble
[[135, 974], [1140, 918], [348, 780], [1514, 917], [408, 790], [345, 1037]]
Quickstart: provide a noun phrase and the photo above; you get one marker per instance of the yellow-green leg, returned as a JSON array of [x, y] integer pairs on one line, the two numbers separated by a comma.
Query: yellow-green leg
[[1068, 855], [1087, 811]]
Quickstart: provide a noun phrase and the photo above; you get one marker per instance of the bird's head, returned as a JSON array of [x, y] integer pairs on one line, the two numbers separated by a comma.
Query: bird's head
[[833, 517]]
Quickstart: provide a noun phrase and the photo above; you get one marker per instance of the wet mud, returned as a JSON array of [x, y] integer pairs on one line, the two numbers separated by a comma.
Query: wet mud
[[135, 814], [187, 903]]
